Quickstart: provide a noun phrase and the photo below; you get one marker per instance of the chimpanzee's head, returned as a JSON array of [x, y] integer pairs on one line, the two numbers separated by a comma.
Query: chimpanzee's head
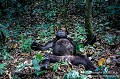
[[61, 34]]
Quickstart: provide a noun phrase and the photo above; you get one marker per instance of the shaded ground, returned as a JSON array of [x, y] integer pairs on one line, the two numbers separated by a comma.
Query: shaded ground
[[13, 45]]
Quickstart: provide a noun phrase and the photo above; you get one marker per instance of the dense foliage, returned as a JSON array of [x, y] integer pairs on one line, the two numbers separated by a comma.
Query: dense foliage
[[25, 21]]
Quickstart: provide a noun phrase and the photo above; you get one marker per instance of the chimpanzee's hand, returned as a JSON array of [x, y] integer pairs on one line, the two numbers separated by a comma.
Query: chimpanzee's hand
[[35, 46]]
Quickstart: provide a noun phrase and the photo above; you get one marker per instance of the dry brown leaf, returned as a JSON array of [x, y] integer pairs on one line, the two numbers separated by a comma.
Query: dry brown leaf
[[24, 54], [101, 61], [14, 45]]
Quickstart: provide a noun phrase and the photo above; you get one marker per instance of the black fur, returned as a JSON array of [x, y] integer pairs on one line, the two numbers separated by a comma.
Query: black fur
[[63, 49]]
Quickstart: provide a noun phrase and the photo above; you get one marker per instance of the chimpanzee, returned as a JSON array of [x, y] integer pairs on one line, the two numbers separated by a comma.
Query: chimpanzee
[[61, 45], [64, 48], [71, 59]]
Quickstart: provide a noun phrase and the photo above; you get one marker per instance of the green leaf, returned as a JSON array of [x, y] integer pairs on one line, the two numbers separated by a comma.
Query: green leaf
[[43, 33], [39, 56], [83, 76], [11, 57], [36, 64], [105, 70], [111, 77], [36, 67], [26, 44], [56, 66], [80, 48], [87, 72], [81, 37], [64, 63], [1, 71], [21, 66], [3, 65], [5, 57], [41, 72], [99, 68], [118, 53], [73, 74]]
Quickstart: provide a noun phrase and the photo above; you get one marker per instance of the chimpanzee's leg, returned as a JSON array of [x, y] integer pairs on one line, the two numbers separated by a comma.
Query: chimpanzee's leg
[[75, 60], [84, 61], [50, 59]]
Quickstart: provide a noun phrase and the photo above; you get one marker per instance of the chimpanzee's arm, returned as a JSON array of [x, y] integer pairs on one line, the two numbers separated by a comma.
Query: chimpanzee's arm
[[48, 45], [36, 46]]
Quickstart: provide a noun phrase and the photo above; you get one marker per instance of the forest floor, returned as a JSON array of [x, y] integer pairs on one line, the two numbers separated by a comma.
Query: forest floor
[[109, 52]]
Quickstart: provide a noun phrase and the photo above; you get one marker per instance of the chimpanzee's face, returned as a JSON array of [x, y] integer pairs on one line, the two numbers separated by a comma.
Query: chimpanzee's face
[[61, 34]]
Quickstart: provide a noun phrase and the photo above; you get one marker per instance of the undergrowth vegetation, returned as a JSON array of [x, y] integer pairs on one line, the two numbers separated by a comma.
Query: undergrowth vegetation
[[25, 21]]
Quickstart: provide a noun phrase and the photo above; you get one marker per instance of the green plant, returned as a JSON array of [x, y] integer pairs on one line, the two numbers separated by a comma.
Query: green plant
[[118, 53], [2, 66], [113, 15], [17, 7], [80, 33], [80, 47], [20, 66], [104, 70], [50, 16], [79, 36], [25, 46], [110, 39], [73, 74], [5, 55], [47, 32], [57, 64], [85, 74], [113, 9], [36, 64]]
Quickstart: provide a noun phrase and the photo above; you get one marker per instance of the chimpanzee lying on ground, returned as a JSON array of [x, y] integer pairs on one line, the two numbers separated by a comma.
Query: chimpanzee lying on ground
[[61, 45], [63, 49]]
